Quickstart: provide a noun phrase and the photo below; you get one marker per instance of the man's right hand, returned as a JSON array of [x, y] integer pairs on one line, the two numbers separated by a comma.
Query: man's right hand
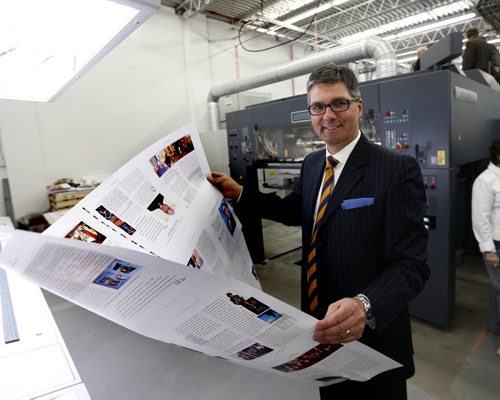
[[492, 258], [226, 185]]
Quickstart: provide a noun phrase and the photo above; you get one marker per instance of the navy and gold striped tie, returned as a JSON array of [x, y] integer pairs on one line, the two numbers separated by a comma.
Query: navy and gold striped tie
[[312, 281]]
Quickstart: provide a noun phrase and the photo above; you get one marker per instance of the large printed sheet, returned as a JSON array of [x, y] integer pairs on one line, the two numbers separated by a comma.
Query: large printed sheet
[[161, 203], [165, 300]]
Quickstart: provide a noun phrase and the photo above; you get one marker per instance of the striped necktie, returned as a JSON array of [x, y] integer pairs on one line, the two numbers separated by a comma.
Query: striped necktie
[[312, 281]]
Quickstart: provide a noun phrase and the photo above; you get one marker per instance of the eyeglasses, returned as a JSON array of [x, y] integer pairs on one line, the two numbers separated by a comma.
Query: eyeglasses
[[335, 106]]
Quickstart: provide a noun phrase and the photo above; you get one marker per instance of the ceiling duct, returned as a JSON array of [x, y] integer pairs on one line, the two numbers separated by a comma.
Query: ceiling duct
[[373, 47], [490, 11]]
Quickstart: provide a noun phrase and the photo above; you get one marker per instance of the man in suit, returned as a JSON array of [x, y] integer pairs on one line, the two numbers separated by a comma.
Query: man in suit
[[367, 243], [477, 52]]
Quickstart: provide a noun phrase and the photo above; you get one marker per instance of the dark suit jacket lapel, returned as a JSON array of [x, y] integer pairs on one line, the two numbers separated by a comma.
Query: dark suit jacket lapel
[[351, 174]]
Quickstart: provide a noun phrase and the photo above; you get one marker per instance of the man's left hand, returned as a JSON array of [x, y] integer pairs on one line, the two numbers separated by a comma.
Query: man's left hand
[[344, 322]]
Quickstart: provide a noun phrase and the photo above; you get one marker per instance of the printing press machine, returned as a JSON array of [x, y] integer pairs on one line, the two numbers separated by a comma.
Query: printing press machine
[[440, 116]]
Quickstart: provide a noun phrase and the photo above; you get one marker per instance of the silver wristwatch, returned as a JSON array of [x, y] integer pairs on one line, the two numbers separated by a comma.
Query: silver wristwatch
[[370, 318]]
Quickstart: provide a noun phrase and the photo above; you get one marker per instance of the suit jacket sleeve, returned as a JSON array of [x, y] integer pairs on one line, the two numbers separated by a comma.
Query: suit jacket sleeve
[[405, 246]]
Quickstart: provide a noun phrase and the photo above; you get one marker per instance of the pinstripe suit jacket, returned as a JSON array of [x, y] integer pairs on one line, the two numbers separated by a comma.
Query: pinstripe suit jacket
[[378, 250]]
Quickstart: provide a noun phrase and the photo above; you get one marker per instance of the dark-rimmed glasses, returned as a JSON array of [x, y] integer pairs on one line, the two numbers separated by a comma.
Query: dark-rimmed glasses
[[335, 106]]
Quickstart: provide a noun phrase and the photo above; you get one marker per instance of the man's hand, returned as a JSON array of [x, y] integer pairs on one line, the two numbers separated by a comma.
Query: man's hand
[[226, 185], [492, 258], [344, 322]]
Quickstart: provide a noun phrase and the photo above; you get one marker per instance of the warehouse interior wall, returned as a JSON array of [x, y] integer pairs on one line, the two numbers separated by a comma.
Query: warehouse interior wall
[[154, 82]]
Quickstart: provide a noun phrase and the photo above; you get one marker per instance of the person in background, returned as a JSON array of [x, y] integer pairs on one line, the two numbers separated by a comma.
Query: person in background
[[416, 65], [486, 227], [364, 243], [477, 52], [494, 62]]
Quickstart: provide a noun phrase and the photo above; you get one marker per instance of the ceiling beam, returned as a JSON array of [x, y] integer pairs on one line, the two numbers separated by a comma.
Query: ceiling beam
[[189, 8], [281, 24]]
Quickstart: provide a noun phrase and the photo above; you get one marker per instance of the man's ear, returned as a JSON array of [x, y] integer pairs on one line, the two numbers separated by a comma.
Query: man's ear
[[360, 107]]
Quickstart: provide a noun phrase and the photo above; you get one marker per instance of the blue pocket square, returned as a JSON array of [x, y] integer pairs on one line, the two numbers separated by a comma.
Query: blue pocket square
[[357, 203]]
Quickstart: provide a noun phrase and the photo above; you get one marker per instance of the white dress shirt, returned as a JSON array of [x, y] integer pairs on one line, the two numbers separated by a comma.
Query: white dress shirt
[[342, 157], [486, 208]]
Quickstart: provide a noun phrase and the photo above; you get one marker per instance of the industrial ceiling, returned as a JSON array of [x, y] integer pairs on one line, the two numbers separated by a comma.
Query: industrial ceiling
[[406, 24]]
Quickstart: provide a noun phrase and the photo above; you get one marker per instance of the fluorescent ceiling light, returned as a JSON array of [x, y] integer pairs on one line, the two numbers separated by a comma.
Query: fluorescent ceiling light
[[409, 21], [390, 37], [494, 41], [45, 46], [284, 7], [267, 31], [433, 26], [300, 3], [406, 53], [408, 59]]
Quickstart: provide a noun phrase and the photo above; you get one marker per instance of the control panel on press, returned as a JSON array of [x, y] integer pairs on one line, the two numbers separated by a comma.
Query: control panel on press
[[394, 125], [430, 182], [396, 128], [240, 144]]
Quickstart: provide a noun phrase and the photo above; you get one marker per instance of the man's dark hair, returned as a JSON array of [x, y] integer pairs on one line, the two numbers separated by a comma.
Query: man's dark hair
[[495, 151], [472, 32], [333, 73]]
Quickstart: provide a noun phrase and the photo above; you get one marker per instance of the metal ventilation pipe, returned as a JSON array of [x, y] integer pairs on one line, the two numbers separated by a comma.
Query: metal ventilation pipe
[[373, 47]]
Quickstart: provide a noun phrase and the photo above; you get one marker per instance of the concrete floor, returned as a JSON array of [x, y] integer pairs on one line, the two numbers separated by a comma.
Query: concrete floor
[[116, 363], [455, 363]]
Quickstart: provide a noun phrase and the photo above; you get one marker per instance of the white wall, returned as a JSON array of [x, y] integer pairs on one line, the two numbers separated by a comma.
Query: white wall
[[155, 81]]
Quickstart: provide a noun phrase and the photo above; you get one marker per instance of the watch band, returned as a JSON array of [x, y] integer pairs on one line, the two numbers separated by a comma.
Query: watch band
[[370, 318]]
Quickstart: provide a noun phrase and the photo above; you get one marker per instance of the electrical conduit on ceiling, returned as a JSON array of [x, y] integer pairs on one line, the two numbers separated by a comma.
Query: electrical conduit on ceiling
[[372, 47]]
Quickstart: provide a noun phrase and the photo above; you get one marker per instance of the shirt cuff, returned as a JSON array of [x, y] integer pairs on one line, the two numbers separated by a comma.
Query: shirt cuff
[[487, 246], [239, 197]]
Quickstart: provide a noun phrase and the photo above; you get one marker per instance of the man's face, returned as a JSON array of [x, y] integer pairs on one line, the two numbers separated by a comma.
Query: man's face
[[336, 129]]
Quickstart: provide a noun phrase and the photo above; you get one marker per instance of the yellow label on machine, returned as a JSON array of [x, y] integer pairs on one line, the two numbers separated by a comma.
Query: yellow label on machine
[[441, 155]]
